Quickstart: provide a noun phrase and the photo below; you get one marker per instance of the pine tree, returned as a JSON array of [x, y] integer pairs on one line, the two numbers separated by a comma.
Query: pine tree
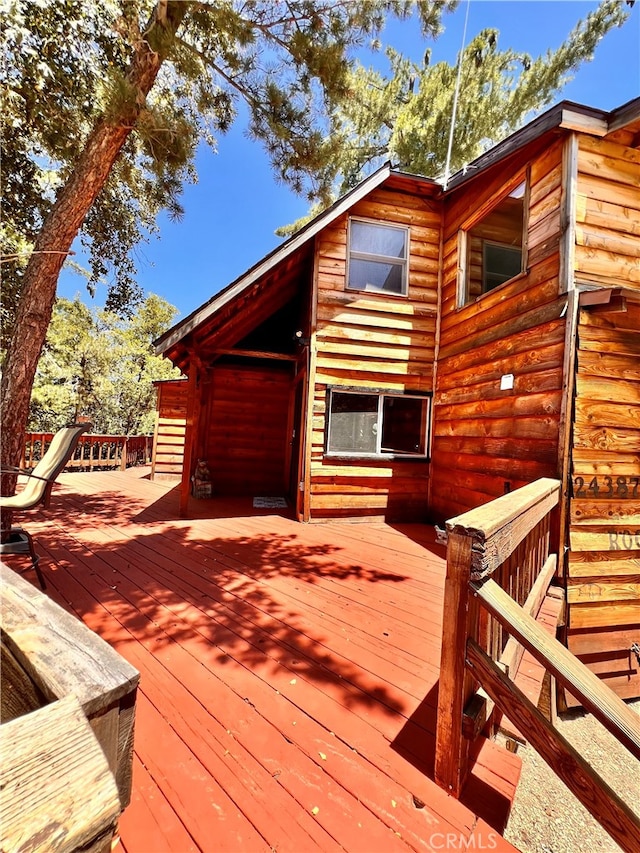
[[405, 117], [103, 107]]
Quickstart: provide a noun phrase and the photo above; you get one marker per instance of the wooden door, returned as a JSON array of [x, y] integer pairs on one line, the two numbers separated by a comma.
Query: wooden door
[[247, 436]]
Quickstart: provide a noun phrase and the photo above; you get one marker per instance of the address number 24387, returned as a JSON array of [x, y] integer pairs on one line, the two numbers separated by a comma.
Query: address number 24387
[[606, 487]]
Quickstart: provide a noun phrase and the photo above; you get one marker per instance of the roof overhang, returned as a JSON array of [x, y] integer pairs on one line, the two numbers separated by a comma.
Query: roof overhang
[[566, 115]]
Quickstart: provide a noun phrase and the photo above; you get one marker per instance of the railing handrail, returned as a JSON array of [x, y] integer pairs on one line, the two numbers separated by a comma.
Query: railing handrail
[[47, 436], [473, 679], [498, 527], [112, 450], [600, 800], [593, 693]]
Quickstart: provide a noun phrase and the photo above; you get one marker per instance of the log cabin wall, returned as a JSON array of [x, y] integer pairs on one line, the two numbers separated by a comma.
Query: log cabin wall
[[171, 419], [603, 589], [604, 562], [373, 341], [607, 230], [489, 440], [244, 428]]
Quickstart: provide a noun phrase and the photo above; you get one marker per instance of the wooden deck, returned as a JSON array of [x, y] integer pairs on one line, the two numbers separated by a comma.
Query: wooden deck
[[289, 672]]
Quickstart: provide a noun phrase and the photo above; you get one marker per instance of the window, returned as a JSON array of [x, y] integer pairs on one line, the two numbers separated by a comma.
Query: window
[[499, 263], [493, 250], [377, 424], [377, 257]]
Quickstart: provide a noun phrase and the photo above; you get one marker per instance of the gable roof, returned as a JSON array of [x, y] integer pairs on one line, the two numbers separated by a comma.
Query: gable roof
[[566, 114], [280, 253]]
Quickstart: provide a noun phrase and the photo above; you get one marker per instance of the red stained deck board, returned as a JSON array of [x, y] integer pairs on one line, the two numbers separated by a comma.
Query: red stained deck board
[[286, 722], [401, 819], [150, 823], [273, 626], [395, 647], [212, 745], [374, 727]]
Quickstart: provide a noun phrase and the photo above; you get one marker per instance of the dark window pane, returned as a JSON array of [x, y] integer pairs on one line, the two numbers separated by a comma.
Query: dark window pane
[[377, 239], [374, 275], [403, 425], [354, 423], [500, 264]]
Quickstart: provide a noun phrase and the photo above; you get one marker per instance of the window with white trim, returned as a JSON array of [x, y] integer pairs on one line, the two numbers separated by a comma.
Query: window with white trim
[[378, 257], [493, 250], [375, 423]]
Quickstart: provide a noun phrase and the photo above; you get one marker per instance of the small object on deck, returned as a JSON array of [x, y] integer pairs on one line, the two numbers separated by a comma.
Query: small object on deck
[[201, 480], [441, 535]]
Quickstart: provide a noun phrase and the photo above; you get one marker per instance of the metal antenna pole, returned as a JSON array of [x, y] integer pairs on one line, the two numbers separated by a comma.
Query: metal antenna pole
[[455, 98]]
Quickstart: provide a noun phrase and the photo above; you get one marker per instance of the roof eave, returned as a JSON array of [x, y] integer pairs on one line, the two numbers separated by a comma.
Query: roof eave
[[566, 114]]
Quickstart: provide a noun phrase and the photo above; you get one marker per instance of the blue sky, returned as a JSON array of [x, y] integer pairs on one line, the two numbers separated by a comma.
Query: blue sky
[[231, 214]]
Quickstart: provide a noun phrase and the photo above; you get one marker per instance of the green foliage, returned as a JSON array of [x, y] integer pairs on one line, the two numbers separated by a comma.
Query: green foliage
[[96, 364], [405, 117], [67, 69]]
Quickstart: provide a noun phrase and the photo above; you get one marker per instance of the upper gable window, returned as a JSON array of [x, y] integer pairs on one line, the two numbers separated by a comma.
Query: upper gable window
[[495, 247], [378, 257]]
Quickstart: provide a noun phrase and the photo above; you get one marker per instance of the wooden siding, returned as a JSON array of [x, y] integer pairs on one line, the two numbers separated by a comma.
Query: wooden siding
[[171, 419], [608, 213], [374, 341], [244, 426], [604, 561], [487, 440]]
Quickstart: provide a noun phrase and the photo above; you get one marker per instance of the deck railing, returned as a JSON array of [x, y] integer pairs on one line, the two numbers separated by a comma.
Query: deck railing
[[68, 710], [499, 568], [93, 451]]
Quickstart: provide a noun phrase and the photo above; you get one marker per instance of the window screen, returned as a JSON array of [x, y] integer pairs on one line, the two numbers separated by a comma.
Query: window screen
[[500, 263], [354, 423], [377, 257]]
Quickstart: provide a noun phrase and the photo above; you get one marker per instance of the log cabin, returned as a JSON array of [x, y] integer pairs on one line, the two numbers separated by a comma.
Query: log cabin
[[417, 350]]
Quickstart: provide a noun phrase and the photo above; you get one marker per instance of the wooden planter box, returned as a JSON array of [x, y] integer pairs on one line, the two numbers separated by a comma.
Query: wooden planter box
[[68, 706]]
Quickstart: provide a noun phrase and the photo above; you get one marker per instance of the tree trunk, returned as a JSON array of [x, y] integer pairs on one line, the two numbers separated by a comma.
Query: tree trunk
[[60, 229]]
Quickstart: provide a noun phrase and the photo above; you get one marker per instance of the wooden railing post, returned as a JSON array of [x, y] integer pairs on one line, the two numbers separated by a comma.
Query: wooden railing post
[[123, 461], [456, 687]]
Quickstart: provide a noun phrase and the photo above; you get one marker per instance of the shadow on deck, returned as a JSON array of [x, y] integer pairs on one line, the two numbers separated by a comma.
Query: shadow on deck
[[289, 672]]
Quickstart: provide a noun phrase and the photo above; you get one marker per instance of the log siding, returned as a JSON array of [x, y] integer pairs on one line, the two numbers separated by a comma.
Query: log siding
[[487, 439], [373, 341]]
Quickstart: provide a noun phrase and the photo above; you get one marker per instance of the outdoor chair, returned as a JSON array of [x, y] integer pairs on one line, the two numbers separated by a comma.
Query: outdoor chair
[[37, 490]]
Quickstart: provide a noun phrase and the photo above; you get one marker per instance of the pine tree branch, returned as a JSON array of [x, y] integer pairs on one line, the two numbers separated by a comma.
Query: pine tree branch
[[242, 90]]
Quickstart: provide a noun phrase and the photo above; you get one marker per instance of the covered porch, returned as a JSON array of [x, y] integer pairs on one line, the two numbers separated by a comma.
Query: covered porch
[[289, 672]]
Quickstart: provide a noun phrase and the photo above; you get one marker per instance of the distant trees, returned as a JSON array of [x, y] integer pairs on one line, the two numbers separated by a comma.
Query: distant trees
[[99, 365], [104, 104]]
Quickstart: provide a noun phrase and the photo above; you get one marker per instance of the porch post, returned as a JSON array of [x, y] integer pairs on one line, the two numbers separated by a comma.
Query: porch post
[[191, 428], [456, 685]]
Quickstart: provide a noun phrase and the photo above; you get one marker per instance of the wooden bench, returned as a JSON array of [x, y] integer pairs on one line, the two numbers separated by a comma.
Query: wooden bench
[[65, 692]]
